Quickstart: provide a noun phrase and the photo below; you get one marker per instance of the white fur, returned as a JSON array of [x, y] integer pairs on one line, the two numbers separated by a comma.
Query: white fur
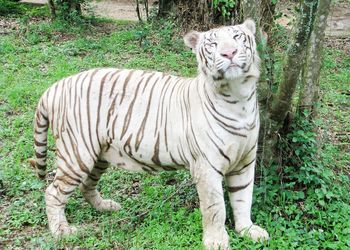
[[149, 121]]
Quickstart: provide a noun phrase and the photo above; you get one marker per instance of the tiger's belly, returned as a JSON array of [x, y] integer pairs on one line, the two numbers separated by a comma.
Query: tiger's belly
[[143, 161]]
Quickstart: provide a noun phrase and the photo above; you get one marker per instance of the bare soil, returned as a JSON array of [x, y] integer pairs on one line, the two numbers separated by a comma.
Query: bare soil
[[339, 20], [116, 9]]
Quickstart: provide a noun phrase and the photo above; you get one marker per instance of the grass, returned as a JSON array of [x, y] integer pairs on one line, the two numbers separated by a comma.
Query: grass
[[161, 211]]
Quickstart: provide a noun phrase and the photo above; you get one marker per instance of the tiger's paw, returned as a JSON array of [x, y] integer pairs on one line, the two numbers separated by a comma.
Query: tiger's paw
[[216, 240], [255, 233], [108, 205], [63, 230]]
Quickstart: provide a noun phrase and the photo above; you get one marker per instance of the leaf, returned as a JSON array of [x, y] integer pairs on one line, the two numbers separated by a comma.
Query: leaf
[[322, 203]]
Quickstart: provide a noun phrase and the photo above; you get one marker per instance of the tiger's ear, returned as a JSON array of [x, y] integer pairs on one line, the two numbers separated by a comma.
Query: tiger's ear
[[191, 39], [250, 25]]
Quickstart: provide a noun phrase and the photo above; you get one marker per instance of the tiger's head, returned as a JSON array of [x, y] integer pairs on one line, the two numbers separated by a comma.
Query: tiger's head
[[226, 53]]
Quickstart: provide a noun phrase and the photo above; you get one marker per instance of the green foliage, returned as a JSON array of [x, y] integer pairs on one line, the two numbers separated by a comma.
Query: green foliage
[[224, 8], [302, 150], [9, 7], [22, 11], [70, 10], [158, 43]]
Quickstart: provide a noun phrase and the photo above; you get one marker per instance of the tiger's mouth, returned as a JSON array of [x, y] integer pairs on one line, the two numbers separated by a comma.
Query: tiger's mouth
[[233, 65], [237, 65]]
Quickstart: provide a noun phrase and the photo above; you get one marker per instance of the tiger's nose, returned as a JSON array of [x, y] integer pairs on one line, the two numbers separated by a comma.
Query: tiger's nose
[[229, 54]]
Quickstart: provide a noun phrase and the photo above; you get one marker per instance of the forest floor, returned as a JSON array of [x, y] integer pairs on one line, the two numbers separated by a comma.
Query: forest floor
[[304, 206]]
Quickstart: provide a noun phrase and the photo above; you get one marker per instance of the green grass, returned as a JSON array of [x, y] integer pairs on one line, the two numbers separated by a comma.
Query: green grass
[[161, 211]]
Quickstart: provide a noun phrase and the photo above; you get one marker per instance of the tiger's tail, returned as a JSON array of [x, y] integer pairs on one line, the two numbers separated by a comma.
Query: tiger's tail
[[41, 126]]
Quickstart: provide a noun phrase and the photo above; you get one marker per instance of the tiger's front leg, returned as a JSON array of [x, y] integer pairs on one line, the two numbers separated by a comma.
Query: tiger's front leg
[[240, 188], [209, 187]]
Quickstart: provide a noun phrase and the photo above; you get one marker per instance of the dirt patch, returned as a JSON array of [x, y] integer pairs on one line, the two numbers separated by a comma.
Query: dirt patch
[[340, 43], [339, 20], [338, 23], [8, 25], [118, 9]]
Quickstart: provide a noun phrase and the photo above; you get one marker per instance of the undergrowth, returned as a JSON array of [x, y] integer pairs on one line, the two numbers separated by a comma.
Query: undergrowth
[[302, 202]]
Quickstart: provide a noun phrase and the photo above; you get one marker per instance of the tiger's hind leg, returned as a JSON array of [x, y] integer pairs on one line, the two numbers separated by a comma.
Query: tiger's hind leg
[[56, 196], [90, 193]]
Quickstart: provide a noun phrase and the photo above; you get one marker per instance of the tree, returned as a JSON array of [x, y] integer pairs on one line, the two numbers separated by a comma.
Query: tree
[[276, 107], [310, 86], [65, 9], [201, 13], [293, 65], [138, 9], [164, 7]]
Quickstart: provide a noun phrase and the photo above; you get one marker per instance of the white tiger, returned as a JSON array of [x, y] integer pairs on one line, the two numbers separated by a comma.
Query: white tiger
[[149, 121]]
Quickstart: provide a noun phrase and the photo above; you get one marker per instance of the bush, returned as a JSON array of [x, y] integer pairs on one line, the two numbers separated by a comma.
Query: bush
[[9, 7], [67, 10]]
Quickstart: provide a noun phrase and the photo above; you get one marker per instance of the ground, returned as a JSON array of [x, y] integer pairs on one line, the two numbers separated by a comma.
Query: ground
[[305, 205], [116, 9]]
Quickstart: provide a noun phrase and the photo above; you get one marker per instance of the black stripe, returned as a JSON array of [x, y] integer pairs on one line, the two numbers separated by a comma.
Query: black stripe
[[206, 117], [140, 133], [238, 172], [88, 111], [39, 166], [238, 188], [126, 81], [129, 113], [70, 167], [98, 113], [53, 105], [213, 107], [40, 155], [251, 95], [220, 150], [40, 144], [223, 124], [83, 136], [78, 112]]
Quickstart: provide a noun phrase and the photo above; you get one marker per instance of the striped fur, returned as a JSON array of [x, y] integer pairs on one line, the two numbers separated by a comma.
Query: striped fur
[[150, 121]]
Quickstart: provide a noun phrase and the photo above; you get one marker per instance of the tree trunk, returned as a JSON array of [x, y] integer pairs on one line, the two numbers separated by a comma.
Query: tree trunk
[[52, 9], [74, 5], [292, 67], [267, 20], [274, 109], [164, 7], [203, 12], [138, 10], [309, 93], [268, 8], [146, 9], [250, 9]]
